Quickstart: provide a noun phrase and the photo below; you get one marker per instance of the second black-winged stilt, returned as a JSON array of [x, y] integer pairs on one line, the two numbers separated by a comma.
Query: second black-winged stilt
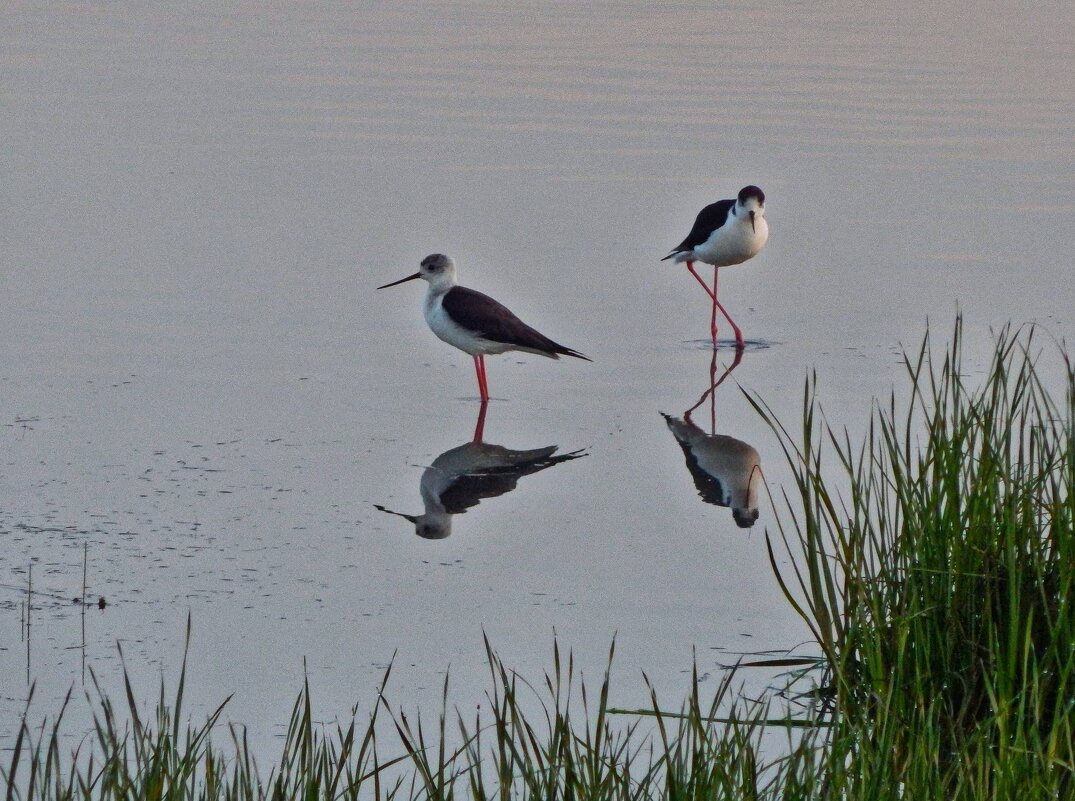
[[725, 233]]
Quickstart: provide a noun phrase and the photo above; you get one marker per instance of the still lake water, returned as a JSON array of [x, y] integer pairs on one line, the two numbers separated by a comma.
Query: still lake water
[[198, 380]]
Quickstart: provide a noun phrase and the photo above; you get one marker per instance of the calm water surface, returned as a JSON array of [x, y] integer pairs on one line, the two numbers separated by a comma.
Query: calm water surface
[[199, 381]]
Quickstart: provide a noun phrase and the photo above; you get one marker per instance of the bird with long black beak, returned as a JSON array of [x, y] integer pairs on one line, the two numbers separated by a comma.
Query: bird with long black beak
[[725, 233], [475, 323]]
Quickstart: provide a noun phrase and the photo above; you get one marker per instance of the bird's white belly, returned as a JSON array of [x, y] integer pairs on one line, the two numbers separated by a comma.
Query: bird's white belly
[[454, 334], [733, 243]]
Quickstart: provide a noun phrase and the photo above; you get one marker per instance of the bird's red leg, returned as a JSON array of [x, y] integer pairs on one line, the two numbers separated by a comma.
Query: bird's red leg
[[713, 313], [479, 368], [479, 427], [712, 294], [705, 286], [740, 343]]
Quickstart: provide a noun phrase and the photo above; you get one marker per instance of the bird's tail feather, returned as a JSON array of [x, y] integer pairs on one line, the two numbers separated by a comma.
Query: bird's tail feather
[[576, 354]]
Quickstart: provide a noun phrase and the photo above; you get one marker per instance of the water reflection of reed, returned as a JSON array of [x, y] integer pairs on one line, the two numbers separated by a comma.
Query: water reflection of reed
[[462, 477], [726, 470]]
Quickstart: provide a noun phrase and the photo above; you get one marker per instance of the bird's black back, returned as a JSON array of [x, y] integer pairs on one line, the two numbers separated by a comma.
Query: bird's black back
[[469, 489], [710, 488], [709, 219], [478, 312]]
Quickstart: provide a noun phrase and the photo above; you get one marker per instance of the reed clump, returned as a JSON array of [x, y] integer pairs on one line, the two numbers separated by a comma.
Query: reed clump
[[935, 564], [553, 741]]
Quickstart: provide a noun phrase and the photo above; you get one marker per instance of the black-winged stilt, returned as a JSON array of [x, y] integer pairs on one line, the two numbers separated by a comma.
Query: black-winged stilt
[[725, 233], [475, 323]]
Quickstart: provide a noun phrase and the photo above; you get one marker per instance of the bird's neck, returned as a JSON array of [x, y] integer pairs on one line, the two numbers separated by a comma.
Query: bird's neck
[[440, 288]]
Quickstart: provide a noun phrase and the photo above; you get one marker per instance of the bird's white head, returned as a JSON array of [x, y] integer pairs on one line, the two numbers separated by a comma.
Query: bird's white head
[[437, 269], [433, 525], [751, 202]]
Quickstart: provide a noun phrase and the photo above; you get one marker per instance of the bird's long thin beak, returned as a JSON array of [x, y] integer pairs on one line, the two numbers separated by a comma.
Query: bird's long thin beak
[[401, 280], [412, 518], [752, 228]]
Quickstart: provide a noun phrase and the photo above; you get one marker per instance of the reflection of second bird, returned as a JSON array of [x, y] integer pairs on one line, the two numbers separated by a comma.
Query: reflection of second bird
[[726, 470], [462, 477]]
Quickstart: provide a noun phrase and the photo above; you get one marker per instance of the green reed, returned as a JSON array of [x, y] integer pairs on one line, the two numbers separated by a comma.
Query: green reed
[[552, 741], [935, 565]]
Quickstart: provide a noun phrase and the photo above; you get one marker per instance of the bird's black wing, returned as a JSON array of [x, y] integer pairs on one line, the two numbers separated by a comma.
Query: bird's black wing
[[471, 488], [494, 321], [710, 488], [709, 219]]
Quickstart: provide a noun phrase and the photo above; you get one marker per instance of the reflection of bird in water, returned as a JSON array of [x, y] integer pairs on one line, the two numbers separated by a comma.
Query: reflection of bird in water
[[725, 233], [726, 470], [475, 323], [464, 476]]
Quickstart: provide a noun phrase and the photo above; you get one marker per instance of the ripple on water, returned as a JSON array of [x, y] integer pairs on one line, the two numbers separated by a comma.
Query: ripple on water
[[749, 345]]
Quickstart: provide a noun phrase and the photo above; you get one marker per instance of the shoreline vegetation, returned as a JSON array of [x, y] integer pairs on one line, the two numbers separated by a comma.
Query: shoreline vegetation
[[933, 562]]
